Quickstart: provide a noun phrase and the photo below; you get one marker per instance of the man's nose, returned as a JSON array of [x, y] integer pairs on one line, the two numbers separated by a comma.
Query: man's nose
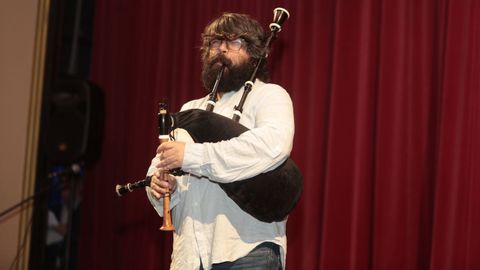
[[223, 46]]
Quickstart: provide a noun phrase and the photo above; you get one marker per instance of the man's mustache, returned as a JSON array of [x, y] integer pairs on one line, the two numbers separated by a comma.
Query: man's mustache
[[221, 59]]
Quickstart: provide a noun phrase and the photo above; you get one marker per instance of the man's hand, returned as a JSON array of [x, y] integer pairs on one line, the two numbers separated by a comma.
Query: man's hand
[[171, 155], [161, 183]]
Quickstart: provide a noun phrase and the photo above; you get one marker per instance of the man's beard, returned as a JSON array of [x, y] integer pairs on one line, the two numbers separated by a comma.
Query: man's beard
[[233, 77]]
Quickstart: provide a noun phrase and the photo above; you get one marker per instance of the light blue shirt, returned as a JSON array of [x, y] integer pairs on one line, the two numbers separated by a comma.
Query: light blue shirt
[[209, 226]]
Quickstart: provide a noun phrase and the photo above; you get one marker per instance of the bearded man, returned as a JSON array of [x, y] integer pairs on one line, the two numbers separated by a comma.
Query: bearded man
[[211, 230]]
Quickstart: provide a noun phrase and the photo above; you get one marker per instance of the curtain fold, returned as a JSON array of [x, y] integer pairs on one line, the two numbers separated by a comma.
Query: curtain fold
[[387, 102]]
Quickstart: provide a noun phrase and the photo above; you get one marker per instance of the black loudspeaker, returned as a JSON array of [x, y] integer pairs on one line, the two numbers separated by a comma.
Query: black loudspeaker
[[75, 122]]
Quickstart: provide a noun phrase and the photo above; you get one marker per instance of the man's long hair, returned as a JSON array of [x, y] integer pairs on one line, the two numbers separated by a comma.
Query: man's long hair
[[231, 26]]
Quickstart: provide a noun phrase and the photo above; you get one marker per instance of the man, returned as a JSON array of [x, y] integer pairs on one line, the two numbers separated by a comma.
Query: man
[[211, 231]]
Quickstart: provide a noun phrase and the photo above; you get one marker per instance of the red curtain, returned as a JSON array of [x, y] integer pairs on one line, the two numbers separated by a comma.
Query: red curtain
[[387, 109]]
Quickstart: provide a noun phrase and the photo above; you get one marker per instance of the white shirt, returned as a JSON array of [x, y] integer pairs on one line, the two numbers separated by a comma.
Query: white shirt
[[209, 226]]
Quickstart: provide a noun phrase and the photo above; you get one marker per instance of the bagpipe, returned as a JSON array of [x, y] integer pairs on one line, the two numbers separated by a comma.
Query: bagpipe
[[269, 196]]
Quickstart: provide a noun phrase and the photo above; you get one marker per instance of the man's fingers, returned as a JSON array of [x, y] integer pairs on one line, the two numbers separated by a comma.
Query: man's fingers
[[169, 163], [164, 147], [158, 191], [155, 194], [170, 155], [162, 184]]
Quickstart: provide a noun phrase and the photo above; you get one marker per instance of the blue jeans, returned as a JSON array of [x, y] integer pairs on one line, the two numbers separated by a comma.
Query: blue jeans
[[265, 256]]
